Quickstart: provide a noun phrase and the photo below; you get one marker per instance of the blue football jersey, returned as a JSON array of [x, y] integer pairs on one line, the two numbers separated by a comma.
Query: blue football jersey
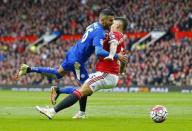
[[85, 47]]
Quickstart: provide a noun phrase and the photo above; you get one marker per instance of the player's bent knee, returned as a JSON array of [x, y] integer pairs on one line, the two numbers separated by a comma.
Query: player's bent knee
[[85, 90]]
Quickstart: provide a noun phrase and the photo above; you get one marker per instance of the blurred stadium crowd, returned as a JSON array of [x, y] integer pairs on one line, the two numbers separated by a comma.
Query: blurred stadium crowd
[[26, 17], [165, 62]]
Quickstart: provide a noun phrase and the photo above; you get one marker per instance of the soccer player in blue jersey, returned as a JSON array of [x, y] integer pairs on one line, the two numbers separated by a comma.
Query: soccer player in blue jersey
[[78, 54]]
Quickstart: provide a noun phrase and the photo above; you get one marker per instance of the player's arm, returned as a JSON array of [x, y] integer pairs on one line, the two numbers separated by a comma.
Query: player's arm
[[99, 51], [98, 41], [123, 63], [122, 67], [113, 45], [113, 48]]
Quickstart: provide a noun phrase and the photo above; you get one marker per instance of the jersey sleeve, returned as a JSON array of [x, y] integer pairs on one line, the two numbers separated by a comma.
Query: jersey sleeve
[[98, 38], [114, 37]]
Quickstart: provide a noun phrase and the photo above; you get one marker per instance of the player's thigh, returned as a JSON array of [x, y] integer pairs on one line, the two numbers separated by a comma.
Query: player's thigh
[[83, 74], [100, 80], [67, 65]]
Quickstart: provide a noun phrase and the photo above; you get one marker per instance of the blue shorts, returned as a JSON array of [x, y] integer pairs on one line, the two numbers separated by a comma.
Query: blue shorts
[[68, 65]]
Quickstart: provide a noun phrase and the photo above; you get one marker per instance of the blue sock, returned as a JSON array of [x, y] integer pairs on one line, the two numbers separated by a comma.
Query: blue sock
[[67, 89], [47, 71]]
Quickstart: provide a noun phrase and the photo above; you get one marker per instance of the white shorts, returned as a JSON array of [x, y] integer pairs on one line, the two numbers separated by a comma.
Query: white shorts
[[101, 80]]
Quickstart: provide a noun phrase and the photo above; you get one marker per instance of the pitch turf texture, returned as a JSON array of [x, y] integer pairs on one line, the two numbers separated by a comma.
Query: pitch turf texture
[[106, 112]]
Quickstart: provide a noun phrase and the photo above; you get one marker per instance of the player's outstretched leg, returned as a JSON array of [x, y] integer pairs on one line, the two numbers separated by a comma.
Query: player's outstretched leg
[[52, 73], [65, 103]]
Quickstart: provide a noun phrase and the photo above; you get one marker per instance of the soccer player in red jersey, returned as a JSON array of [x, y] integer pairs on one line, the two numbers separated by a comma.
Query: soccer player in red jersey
[[107, 70]]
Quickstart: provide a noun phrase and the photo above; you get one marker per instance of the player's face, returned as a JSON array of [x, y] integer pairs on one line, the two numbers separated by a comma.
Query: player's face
[[108, 21], [115, 25]]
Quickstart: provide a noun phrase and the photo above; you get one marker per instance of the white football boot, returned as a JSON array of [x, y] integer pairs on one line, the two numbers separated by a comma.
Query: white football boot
[[47, 111], [80, 115]]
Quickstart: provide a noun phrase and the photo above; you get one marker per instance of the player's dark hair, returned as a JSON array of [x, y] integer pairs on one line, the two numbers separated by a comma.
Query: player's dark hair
[[124, 21], [107, 12]]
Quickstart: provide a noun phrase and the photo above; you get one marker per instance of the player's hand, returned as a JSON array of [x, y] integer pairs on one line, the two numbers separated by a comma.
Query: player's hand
[[108, 58], [123, 58]]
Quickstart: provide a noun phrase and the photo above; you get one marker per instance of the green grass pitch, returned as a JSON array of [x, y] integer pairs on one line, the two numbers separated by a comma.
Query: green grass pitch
[[106, 112]]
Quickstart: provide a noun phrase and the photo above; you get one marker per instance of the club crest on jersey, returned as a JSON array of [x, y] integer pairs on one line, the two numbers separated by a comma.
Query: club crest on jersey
[[111, 36], [82, 76]]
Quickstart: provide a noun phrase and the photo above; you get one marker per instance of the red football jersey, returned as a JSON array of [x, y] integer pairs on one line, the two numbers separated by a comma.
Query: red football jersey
[[112, 67]]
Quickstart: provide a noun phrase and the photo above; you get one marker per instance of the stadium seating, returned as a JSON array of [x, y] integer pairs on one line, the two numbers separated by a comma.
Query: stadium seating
[[166, 62]]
